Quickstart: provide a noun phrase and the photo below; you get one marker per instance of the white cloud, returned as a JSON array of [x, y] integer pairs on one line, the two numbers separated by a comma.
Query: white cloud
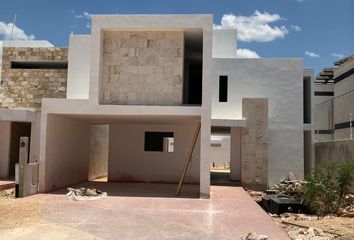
[[84, 15], [295, 28], [311, 54], [338, 55], [17, 33], [246, 53], [255, 27]]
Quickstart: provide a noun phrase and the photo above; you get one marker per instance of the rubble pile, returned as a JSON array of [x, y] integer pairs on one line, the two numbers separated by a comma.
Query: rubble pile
[[290, 186], [347, 211], [307, 227], [84, 194]]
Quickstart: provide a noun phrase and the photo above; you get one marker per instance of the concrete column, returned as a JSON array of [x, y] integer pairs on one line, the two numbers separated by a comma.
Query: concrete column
[[235, 154], [254, 163], [35, 138], [204, 157]]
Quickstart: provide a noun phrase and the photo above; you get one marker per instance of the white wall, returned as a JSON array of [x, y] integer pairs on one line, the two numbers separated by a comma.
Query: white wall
[[220, 155], [5, 135], [66, 153], [279, 80], [129, 162], [78, 67], [224, 43]]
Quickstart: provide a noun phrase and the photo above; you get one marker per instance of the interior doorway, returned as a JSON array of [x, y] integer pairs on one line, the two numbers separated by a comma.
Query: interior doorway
[[18, 130], [225, 153]]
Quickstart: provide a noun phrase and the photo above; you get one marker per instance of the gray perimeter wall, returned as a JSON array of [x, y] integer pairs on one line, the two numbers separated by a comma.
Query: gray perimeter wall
[[339, 151]]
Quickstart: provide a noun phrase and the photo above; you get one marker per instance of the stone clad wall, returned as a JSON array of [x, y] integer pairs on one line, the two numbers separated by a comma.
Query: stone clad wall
[[25, 88], [142, 67]]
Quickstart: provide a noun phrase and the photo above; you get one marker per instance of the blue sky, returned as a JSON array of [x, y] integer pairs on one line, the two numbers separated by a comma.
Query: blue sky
[[320, 31]]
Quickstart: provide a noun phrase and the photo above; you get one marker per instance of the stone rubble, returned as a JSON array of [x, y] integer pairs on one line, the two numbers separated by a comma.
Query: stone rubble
[[290, 186], [293, 187], [254, 236]]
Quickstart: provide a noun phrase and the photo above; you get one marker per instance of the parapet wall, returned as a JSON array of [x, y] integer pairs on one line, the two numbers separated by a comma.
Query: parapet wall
[[24, 87]]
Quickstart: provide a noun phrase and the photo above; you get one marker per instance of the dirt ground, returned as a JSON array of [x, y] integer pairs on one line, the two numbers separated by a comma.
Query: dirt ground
[[17, 212], [336, 227], [20, 219]]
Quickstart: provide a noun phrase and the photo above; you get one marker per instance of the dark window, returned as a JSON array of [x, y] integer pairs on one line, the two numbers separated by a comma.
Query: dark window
[[324, 93], [223, 89], [307, 99], [39, 65], [154, 141], [215, 144]]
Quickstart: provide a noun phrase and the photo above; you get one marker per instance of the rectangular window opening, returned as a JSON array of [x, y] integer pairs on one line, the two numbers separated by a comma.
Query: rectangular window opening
[[159, 142], [39, 65], [223, 88]]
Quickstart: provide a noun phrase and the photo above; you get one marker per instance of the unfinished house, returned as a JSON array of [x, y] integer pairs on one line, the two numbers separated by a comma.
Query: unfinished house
[[148, 98], [333, 112]]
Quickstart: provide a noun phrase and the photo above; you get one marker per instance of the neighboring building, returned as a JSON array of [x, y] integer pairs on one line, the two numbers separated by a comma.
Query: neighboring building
[[136, 89], [334, 97], [333, 111], [31, 70]]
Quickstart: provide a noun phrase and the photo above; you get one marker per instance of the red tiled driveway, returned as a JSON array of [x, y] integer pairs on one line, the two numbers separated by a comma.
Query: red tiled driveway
[[229, 214]]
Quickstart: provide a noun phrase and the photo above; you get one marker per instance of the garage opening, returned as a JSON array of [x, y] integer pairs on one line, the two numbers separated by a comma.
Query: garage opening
[[124, 157]]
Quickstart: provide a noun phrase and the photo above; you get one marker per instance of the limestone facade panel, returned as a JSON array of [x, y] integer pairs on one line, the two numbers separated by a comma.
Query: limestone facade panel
[[24, 88], [142, 67]]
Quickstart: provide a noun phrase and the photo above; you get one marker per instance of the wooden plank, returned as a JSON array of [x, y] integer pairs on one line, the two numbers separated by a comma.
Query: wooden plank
[[186, 165]]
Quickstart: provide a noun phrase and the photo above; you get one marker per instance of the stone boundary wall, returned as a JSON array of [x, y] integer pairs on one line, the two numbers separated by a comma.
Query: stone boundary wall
[[25, 88]]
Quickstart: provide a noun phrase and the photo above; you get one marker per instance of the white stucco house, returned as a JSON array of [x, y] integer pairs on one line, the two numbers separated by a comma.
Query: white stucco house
[[138, 88]]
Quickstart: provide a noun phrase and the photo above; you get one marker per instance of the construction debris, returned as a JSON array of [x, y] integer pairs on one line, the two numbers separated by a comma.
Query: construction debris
[[8, 193], [85, 194], [254, 236], [300, 226], [290, 186], [306, 227], [347, 211]]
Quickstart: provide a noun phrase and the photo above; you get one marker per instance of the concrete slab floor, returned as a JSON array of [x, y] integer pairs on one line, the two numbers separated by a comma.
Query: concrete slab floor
[[129, 214]]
